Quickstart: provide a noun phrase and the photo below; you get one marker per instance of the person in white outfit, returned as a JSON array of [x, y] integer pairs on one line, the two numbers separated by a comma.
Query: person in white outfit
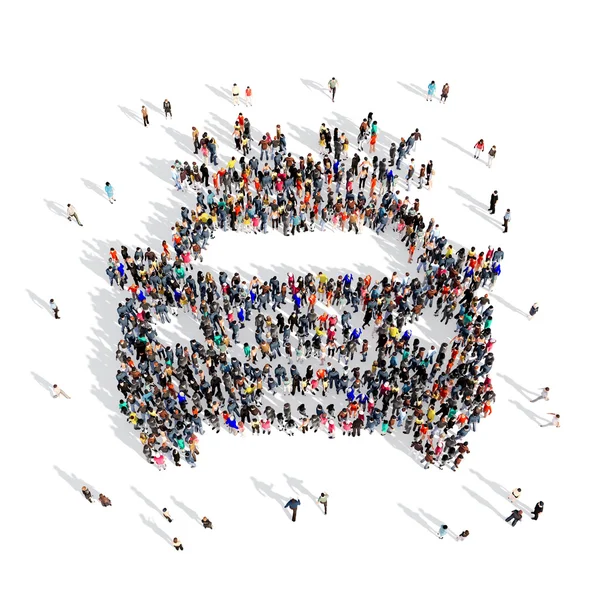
[[56, 392], [515, 495], [555, 421], [543, 396], [235, 92]]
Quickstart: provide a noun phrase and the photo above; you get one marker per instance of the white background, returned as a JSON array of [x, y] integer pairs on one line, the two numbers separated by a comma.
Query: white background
[[76, 76]]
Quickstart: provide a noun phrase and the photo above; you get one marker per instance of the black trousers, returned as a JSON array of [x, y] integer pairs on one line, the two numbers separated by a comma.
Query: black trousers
[[146, 121], [294, 511]]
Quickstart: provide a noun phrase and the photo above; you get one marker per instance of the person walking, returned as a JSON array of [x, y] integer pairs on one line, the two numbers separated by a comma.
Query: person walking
[[56, 392], [537, 510], [322, 499], [445, 92], [533, 310], [110, 192], [248, 96], [104, 500], [515, 516], [430, 91], [87, 494], [515, 495], [332, 87], [166, 515], [54, 308], [72, 214], [479, 148], [293, 504], [493, 201], [177, 544], [442, 531], [491, 156], [235, 92], [544, 395], [167, 109], [206, 523], [145, 116], [507, 218], [463, 536], [555, 420]]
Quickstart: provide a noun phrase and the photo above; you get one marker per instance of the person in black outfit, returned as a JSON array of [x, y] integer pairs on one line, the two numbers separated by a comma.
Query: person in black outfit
[[493, 200], [539, 508], [167, 109], [515, 516], [87, 494]]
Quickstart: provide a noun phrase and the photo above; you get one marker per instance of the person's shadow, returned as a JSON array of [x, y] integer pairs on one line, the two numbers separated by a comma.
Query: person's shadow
[[523, 391], [437, 523], [528, 413], [414, 89], [157, 530], [39, 302], [297, 486], [455, 145], [94, 187], [267, 490], [192, 514], [483, 501], [130, 114], [415, 516], [493, 485], [221, 93], [315, 85], [510, 306], [74, 481], [147, 501], [56, 208], [45, 384], [152, 107]]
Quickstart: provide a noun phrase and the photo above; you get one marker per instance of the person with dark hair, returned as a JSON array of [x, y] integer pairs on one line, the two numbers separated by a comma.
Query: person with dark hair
[[87, 494], [462, 536], [166, 515], [332, 87], [145, 116], [293, 505], [506, 220], [537, 510], [206, 523], [177, 544], [493, 201], [167, 109], [322, 500], [515, 516], [444, 94]]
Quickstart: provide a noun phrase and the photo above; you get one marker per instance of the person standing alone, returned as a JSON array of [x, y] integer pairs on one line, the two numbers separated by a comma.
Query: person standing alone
[[332, 87], [235, 92], [167, 108], [110, 192], [145, 116], [507, 218], [322, 499], [293, 504], [72, 214], [54, 308], [493, 201], [539, 508], [515, 516]]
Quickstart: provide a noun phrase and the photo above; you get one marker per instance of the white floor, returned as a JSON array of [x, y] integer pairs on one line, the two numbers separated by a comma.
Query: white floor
[[81, 76]]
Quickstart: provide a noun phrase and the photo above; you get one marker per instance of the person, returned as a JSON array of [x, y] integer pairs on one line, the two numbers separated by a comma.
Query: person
[[491, 156], [479, 148], [235, 92], [333, 87], [167, 109], [248, 96], [56, 392], [445, 92], [323, 501], [507, 219], [537, 510], [555, 421], [515, 495], [493, 201], [166, 515], [145, 116], [515, 516], [430, 91], [293, 504], [533, 310], [544, 395], [177, 544], [54, 308], [442, 531], [463, 536], [206, 523], [87, 494], [104, 500], [72, 214], [110, 192]]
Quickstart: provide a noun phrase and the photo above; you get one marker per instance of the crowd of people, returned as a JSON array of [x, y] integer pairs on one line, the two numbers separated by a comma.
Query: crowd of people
[[264, 341]]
